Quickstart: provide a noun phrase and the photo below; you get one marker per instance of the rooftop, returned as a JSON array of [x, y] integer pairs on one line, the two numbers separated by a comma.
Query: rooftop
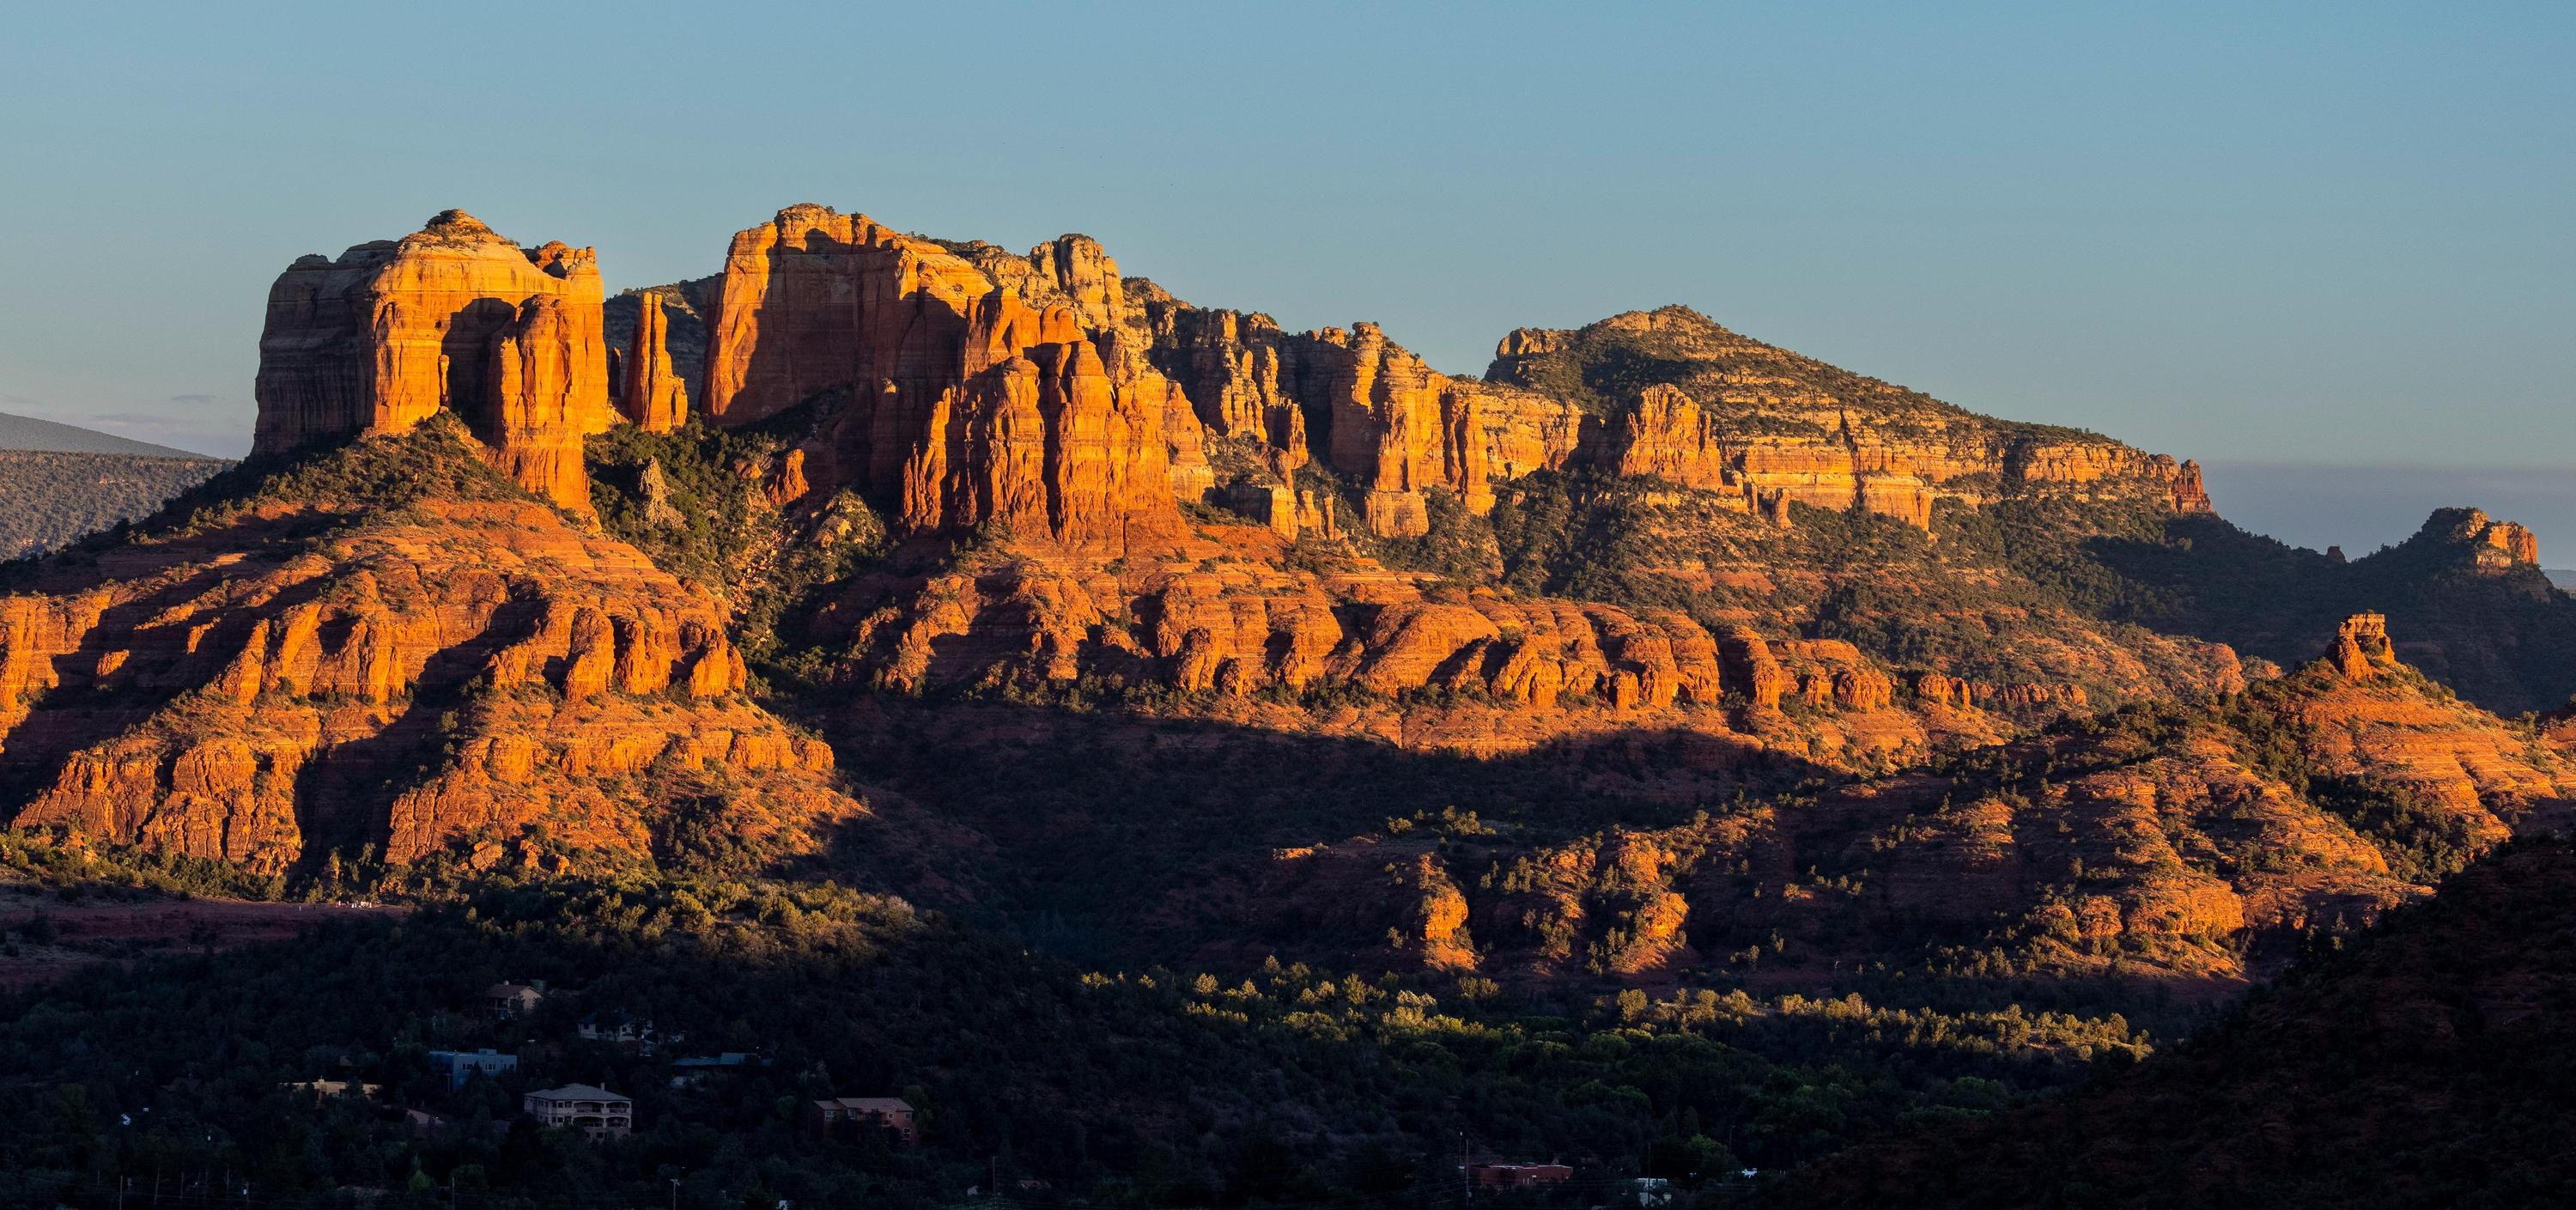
[[580, 1092]]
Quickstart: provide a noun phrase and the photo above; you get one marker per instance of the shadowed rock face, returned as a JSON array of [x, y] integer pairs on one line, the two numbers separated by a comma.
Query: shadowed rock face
[[452, 317], [2423, 1059], [2185, 848]]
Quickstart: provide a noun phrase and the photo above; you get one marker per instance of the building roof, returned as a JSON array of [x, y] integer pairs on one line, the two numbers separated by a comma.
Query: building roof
[[580, 1092], [499, 991], [871, 1104]]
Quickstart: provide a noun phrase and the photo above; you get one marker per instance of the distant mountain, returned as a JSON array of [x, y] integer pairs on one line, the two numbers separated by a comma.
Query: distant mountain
[[58, 496], [29, 433], [2563, 579]]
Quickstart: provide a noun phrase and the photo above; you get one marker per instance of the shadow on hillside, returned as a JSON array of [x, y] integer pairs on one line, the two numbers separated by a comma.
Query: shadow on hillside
[[1121, 841], [2501, 638], [1065, 796]]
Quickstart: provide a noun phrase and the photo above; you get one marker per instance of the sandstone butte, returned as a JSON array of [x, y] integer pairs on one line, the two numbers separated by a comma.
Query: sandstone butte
[[2169, 850], [450, 318], [467, 676], [1047, 391], [1040, 398], [959, 387], [962, 388]]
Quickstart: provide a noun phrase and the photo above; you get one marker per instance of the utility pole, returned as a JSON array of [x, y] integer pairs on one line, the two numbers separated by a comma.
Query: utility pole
[[675, 1193]]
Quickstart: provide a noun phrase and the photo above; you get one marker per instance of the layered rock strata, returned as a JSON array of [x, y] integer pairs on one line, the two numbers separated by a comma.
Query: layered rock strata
[[465, 677], [1717, 411], [452, 317], [963, 399]]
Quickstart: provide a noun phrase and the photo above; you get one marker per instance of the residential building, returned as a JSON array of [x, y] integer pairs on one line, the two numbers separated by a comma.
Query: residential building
[[595, 1112], [507, 1000], [1516, 1176], [849, 1117], [336, 1088], [463, 1065], [616, 1028]]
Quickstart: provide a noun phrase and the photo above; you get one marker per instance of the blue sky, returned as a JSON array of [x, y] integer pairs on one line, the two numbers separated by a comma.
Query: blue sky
[[2302, 234]]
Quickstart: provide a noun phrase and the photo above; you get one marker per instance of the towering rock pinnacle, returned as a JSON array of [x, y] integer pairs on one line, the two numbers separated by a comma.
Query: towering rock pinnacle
[[2361, 646], [450, 317], [651, 394], [974, 388]]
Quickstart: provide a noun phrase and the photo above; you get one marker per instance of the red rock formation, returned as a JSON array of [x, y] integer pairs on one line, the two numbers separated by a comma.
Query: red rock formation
[[452, 317], [1768, 428], [1667, 437], [1400, 427], [2520, 546], [545, 392], [1228, 364], [968, 404], [2494, 545], [263, 708], [650, 391], [1749, 664], [2361, 646], [2188, 494]]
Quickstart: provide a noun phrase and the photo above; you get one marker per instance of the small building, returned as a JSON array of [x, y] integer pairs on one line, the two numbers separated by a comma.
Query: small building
[[693, 1070], [595, 1112], [507, 1000], [848, 1117], [463, 1065], [322, 1089], [1516, 1176], [616, 1028]]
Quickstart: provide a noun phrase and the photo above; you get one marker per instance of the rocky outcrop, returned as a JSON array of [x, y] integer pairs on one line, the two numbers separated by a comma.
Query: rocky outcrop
[[1228, 364], [547, 380], [2491, 545], [955, 401], [1071, 270], [1245, 630], [465, 677], [1765, 427], [818, 305], [452, 317], [2367, 716], [651, 392], [2361, 647]]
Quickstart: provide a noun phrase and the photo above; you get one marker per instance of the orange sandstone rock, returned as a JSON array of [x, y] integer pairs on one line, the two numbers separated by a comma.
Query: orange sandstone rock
[[452, 317], [271, 703], [1022, 403], [651, 394]]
